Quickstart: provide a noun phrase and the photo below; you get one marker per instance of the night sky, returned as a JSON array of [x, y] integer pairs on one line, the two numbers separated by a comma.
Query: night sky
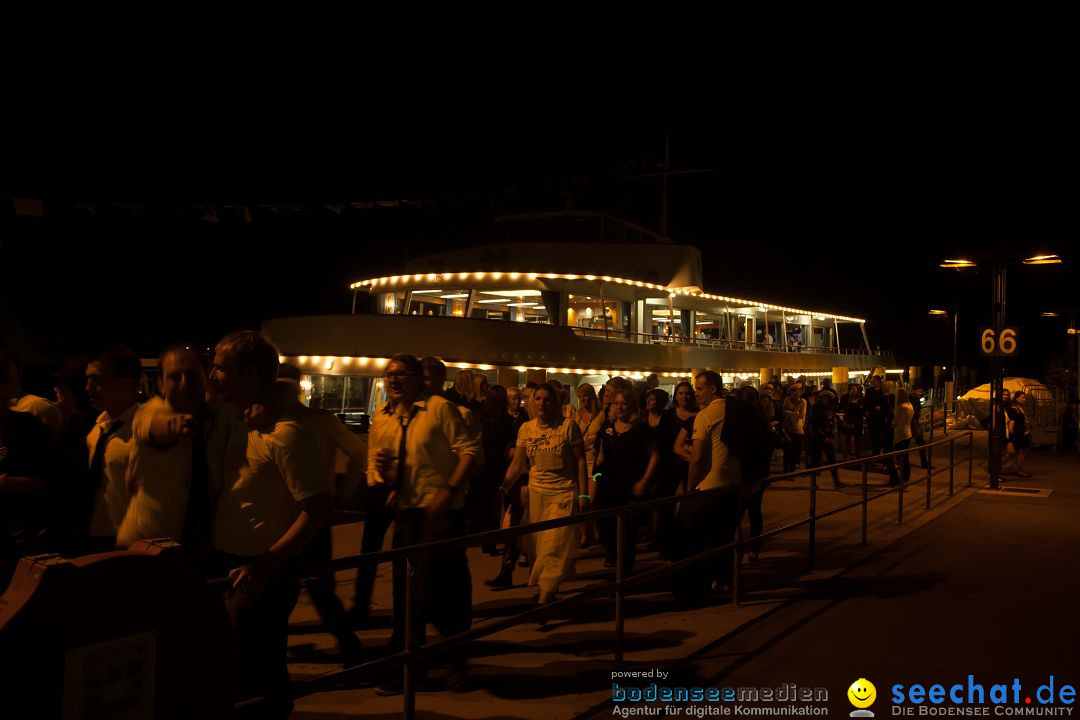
[[851, 150]]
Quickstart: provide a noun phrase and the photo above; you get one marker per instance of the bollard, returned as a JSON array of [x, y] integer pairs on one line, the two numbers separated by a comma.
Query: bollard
[[929, 474], [411, 639], [952, 463], [865, 490], [900, 500], [738, 551], [813, 517], [620, 557], [971, 455]]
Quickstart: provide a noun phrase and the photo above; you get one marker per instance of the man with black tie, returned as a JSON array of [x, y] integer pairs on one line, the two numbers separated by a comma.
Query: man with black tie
[[421, 452]]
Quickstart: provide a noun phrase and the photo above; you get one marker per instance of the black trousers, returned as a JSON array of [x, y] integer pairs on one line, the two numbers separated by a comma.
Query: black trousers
[[823, 446], [609, 527], [880, 436], [917, 439], [757, 520], [323, 591], [792, 451], [702, 525], [481, 501], [261, 628], [377, 520], [445, 585], [902, 461]]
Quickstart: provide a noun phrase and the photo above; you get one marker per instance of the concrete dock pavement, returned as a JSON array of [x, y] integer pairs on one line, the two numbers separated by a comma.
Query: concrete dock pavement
[[986, 589], [564, 668]]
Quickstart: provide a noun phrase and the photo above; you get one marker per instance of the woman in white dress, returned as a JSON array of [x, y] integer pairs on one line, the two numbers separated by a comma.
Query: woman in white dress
[[553, 447]]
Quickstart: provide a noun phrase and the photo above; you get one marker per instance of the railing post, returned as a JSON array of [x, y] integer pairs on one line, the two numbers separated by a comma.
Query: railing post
[[738, 550], [899, 497], [411, 639], [620, 558], [813, 517], [952, 460], [929, 473], [865, 490], [971, 454]]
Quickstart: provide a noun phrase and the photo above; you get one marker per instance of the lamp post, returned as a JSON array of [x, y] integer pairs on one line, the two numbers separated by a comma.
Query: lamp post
[[997, 314], [1072, 345], [954, 372]]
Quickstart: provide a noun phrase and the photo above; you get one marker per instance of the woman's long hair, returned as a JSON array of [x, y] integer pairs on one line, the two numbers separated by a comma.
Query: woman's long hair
[[495, 405], [587, 396], [466, 387], [693, 396], [661, 400]]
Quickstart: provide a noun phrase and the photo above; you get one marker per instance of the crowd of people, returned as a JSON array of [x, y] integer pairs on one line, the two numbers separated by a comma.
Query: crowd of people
[[227, 460]]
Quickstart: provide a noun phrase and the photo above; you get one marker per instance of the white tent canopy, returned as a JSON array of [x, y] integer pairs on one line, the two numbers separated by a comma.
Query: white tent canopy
[[976, 402]]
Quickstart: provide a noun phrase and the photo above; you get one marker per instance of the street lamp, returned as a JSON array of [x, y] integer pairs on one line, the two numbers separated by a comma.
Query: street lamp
[[993, 464], [1043, 260], [955, 366]]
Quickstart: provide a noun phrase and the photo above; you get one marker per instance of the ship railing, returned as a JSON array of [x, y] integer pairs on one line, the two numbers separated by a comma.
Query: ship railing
[[619, 335]]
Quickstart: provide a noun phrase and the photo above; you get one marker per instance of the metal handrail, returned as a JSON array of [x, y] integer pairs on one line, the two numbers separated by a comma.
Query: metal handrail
[[414, 653]]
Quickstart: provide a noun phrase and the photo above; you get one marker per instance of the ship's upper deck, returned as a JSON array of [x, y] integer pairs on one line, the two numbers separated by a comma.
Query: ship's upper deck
[[648, 292]]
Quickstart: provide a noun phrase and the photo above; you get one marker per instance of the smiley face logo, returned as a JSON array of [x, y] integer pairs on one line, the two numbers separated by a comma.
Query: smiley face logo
[[862, 693]]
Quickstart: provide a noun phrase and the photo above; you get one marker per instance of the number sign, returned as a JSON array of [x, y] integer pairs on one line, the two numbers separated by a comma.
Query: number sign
[[998, 341]]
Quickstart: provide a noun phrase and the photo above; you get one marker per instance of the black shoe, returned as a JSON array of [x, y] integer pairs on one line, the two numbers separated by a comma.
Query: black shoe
[[506, 571], [351, 652], [503, 580], [837, 485]]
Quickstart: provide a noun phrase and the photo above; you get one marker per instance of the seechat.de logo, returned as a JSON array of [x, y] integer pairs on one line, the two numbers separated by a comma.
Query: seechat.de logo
[[862, 695]]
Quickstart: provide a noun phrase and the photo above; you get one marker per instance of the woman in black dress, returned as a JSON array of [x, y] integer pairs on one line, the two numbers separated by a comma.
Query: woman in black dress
[[677, 422], [627, 468]]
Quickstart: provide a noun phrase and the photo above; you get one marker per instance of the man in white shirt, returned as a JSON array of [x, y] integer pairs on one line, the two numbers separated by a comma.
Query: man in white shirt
[[330, 436], [274, 500], [419, 447], [112, 382], [177, 457], [708, 523]]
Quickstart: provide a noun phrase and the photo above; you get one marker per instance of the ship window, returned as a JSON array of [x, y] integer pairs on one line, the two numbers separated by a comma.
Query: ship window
[[346, 395], [586, 311]]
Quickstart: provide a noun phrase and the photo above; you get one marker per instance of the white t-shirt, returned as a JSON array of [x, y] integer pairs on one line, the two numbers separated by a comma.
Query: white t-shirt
[[723, 466], [112, 499], [552, 463], [267, 475]]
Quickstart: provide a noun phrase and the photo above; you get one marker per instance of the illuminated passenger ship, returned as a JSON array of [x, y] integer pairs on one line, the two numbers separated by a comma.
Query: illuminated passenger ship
[[577, 312]]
